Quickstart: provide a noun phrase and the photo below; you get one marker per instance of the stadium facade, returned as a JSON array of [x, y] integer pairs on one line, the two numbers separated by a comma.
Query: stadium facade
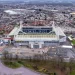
[[37, 36]]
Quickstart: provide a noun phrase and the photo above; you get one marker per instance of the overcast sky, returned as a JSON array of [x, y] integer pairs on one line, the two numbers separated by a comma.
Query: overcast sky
[[38, 0]]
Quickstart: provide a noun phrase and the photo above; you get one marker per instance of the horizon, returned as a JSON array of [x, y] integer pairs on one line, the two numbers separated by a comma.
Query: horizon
[[41, 0]]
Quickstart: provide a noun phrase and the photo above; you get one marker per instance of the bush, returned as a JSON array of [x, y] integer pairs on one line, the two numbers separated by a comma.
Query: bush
[[12, 64], [54, 73], [35, 67], [28, 65]]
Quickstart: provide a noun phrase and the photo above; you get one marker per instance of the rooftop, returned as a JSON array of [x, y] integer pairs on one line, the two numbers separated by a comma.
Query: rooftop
[[59, 31], [18, 11], [13, 32]]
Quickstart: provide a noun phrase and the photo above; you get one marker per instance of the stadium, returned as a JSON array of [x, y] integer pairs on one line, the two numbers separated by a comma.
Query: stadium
[[37, 36]]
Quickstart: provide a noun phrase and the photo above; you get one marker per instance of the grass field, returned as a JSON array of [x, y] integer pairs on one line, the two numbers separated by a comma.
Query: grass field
[[13, 64], [73, 42], [73, 72]]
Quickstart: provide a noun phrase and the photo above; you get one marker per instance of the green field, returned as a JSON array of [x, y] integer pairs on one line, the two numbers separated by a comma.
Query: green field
[[73, 42], [13, 64], [73, 73]]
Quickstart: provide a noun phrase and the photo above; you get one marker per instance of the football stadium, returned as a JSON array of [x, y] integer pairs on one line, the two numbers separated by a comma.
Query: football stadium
[[37, 36]]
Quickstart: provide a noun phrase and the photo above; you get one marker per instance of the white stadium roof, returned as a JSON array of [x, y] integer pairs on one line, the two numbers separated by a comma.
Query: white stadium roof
[[13, 32], [58, 31]]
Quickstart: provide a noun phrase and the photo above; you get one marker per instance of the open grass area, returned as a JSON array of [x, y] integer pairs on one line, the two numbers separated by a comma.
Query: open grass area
[[73, 42], [13, 64], [73, 73]]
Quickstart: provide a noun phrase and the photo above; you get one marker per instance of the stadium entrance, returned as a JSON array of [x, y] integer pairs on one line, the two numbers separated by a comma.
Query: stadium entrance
[[36, 46]]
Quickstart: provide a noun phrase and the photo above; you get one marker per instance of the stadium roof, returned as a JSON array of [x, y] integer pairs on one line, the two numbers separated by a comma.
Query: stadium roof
[[54, 33], [13, 32], [59, 32], [35, 37]]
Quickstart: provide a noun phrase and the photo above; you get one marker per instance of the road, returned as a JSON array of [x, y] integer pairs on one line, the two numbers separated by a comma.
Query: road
[[20, 71], [70, 54]]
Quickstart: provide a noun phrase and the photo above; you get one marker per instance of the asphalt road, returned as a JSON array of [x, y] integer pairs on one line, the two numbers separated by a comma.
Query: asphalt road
[[20, 71]]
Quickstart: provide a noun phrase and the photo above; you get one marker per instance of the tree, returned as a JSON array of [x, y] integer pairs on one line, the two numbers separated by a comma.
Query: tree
[[10, 56], [5, 54], [71, 64], [16, 57], [54, 73]]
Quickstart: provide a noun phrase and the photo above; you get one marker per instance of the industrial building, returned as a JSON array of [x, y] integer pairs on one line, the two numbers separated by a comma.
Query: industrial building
[[37, 36]]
